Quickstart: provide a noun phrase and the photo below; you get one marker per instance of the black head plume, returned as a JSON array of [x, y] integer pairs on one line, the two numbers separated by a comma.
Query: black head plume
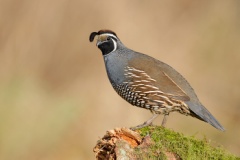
[[93, 34]]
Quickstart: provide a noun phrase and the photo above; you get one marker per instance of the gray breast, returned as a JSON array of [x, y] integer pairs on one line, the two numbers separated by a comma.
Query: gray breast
[[115, 63]]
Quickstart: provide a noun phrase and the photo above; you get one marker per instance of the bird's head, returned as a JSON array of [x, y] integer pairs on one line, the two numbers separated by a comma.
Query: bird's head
[[106, 42]]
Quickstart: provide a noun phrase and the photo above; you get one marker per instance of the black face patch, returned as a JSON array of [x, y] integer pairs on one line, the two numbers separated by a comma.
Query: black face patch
[[107, 46]]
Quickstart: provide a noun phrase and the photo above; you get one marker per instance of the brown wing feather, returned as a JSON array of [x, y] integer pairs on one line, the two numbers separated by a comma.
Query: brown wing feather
[[177, 92], [161, 80]]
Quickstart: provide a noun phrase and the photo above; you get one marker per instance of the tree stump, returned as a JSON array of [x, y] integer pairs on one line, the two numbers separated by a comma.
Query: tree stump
[[155, 143]]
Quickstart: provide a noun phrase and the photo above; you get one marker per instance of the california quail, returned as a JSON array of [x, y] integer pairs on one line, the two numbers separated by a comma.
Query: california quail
[[149, 83]]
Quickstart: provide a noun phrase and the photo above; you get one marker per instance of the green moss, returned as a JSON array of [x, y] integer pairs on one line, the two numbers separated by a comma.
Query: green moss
[[186, 147]]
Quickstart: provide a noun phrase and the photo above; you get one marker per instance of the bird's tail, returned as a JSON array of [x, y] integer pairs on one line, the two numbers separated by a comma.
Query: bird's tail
[[200, 112]]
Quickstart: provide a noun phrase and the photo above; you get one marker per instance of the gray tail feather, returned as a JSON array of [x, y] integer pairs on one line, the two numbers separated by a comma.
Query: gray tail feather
[[200, 112]]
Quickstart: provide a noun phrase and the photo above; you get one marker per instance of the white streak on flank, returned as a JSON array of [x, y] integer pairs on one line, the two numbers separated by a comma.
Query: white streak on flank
[[153, 92], [158, 101], [164, 97], [145, 98], [142, 73], [137, 91], [134, 75], [134, 69], [136, 85], [140, 84], [129, 74], [137, 81], [145, 81], [149, 78], [151, 86]]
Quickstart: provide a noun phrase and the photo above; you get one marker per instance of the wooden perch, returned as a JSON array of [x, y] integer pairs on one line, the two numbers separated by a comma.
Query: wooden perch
[[155, 143]]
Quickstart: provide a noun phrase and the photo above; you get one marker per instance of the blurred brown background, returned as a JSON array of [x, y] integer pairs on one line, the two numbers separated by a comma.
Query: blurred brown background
[[55, 98]]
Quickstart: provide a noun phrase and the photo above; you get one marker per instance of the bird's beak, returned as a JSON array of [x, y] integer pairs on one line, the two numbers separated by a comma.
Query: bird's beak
[[101, 39], [99, 42]]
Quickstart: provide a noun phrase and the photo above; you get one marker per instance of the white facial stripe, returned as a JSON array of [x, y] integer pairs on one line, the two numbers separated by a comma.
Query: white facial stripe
[[109, 34], [114, 42]]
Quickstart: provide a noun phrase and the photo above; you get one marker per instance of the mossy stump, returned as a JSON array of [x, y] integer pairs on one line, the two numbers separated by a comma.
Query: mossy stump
[[155, 143]]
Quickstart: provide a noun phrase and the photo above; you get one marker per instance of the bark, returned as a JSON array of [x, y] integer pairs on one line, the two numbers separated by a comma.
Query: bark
[[125, 144], [155, 142]]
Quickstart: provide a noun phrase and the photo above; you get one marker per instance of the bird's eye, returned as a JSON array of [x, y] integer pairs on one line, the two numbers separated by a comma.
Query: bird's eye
[[108, 38]]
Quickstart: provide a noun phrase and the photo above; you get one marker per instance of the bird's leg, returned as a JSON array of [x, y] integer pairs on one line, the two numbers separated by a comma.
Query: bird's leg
[[164, 120], [147, 123]]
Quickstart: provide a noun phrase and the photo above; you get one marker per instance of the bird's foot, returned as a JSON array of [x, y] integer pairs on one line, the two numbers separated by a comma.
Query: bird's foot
[[164, 120], [145, 124]]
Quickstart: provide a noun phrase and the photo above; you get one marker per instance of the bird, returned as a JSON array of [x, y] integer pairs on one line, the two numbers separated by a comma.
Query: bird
[[148, 83]]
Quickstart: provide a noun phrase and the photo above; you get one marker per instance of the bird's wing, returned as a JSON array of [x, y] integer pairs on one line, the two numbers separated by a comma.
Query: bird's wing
[[158, 73], [170, 87], [159, 83]]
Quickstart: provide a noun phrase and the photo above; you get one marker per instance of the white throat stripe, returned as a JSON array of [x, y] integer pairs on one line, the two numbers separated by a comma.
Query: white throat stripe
[[115, 45], [114, 42]]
